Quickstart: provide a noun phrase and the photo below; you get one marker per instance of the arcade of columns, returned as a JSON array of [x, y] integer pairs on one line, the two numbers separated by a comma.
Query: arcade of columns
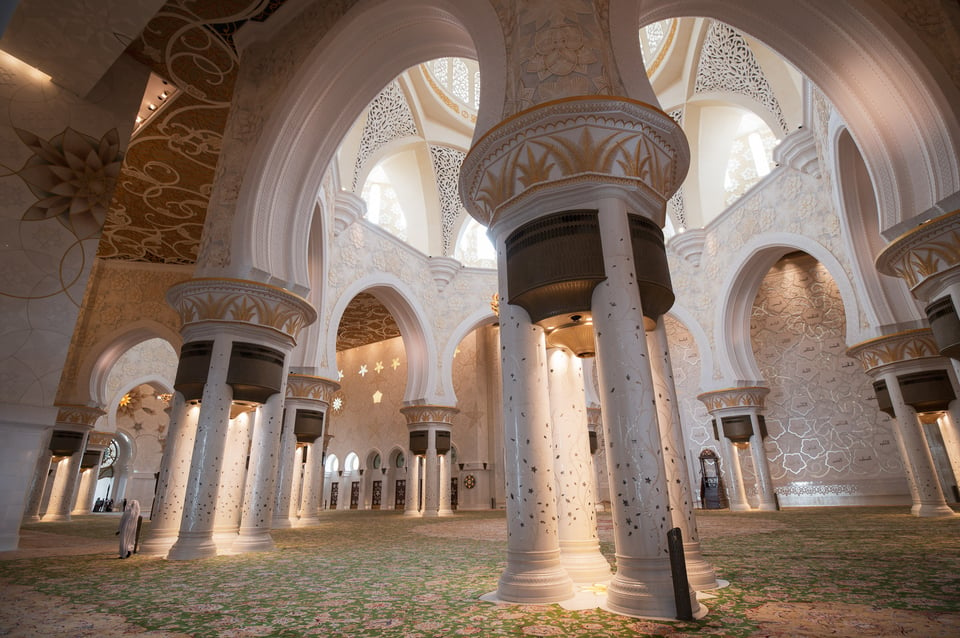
[[576, 183]]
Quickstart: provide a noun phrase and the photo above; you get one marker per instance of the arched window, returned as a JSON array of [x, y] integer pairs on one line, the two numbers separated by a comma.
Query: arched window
[[351, 463], [383, 205], [473, 247], [332, 464], [750, 157]]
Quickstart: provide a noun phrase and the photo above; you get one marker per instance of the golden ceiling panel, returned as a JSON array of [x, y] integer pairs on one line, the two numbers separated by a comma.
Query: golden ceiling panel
[[365, 321]]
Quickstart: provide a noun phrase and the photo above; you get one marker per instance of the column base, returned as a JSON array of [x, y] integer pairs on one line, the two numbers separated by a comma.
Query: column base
[[193, 545], [768, 507], [931, 510], [411, 513], [258, 540], [740, 507], [56, 518], [446, 512], [307, 522], [31, 519], [700, 573], [644, 588], [534, 577], [281, 523], [431, 513], [583, 561], [157, 545]]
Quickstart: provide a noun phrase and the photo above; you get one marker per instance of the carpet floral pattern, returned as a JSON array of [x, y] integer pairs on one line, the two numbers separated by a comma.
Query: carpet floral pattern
[[802, 572]]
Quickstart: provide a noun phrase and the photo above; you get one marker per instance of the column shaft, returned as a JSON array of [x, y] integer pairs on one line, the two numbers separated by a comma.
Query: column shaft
[[643, 584], [411, 506], [925, 487], [533, 573], [700, 573], [233, 475], [766, 499], [37, 488], [65, 485], [167, 510], [288, 451], [446, 508], [259, 491], [200, 500], [738, 493], [296, 486], [576, 510], [431, 479]]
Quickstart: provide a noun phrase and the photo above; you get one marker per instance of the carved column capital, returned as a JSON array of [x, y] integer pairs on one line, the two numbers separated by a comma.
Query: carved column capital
[[926, 256], [750, 397], [310, 388], [896, 350], [77, 417], [241, 302], [429, 414], [576, 141]]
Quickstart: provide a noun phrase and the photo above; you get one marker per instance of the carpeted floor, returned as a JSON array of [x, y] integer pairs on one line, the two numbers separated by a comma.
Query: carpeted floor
[[803, 572]]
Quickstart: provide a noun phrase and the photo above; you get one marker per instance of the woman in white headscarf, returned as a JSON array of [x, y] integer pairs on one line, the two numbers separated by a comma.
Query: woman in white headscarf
[[128, 528]]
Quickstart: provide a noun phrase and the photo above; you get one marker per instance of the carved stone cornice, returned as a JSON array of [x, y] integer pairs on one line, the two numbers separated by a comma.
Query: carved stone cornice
[[588, 139], [924, 253], [81, 417], [240, 301], [99, 440], [688, 245], [900, 347], [429, 414], [745, 397], [310, 388]]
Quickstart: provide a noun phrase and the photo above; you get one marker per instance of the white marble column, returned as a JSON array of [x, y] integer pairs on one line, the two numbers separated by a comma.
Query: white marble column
[[86, 490], [925, 487], [737, 494], [950, 431], [411, 506], [195, 539], [37, 488], [260, 488], [431, 478], [65, 484], [296, 486], [573, 466], [312, 482], [285, 470], [533, 573], [643, 583], [446, 508], [167, 508], [233, 475], [766, 498], [700, 573]]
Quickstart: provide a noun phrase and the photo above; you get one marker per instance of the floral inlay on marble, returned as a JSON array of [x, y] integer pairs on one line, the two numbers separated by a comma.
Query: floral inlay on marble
[[73, 177]]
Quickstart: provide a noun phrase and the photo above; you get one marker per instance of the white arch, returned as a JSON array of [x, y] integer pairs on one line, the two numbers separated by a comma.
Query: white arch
[[414, 323], [336, 82], [732, 318], [900, 107], [474, 320], [95, 369], [680, 313]]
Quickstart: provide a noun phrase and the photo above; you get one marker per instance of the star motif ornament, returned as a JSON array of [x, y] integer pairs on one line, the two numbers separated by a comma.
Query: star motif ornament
[[378, 367], [363, 370], [395, 363]]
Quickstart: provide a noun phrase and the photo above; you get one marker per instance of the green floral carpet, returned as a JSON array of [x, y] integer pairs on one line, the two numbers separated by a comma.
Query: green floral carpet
[[800, 572]]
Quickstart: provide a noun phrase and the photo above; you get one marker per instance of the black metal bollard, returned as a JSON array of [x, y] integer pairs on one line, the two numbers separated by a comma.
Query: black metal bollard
[[678, 569]]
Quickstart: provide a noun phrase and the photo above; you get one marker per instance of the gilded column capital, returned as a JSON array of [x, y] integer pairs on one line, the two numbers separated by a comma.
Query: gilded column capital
[[585, 140], [238, 301], [311, 388], [429, 414], [726, 398], [898, 348], [77, 417], [98, 440], [924, 254]]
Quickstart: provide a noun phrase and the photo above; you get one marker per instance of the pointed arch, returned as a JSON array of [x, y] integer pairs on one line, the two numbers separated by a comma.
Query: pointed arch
[[735, 356], [418, 339], [334, 85]]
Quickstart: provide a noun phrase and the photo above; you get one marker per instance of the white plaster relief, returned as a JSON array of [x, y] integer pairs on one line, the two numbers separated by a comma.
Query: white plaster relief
[[446, 168], [388, 118]]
